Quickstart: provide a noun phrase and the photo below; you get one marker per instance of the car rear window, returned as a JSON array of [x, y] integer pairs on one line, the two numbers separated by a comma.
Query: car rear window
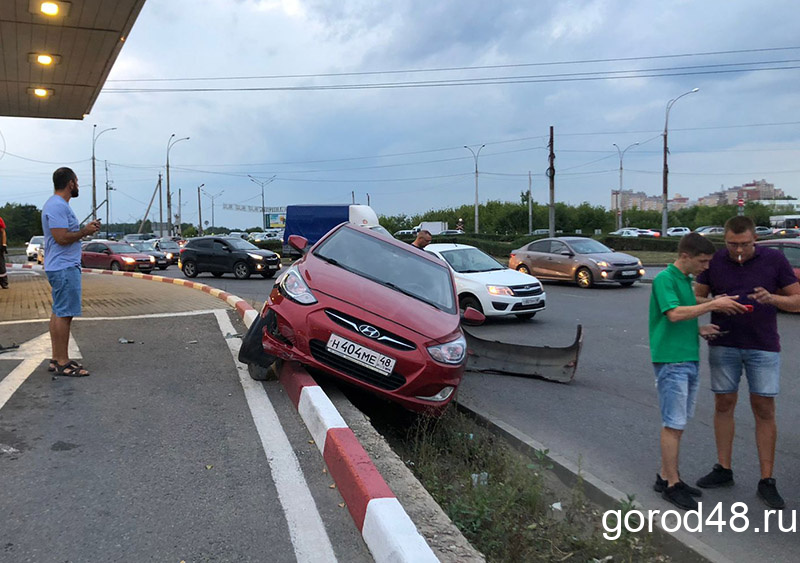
[[382, 262]]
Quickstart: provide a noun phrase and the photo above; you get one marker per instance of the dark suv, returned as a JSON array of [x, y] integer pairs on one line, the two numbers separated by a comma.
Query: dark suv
[[220, 255]]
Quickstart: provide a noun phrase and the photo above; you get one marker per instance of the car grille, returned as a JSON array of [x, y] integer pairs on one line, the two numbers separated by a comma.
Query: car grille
[[527, 290], [534, 307], [625, 264], [352, 324], [389, 382]]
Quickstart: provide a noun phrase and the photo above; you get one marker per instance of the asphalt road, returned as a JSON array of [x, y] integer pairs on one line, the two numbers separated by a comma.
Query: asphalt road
[[156, 456], [608, 422]]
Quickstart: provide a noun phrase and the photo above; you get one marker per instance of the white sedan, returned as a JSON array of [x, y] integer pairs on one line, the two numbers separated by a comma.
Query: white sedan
[[488, 286]]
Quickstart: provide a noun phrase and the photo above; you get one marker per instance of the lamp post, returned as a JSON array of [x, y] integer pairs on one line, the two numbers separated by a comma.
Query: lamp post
[[475, 156], [666, 167], [212, 198], [199, 212], [170, 144], [619, 193], [262, 183], [95, 136]]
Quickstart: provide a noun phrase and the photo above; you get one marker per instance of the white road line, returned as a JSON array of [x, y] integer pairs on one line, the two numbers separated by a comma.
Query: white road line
[[307, 532], [127, 318], [35, 351]]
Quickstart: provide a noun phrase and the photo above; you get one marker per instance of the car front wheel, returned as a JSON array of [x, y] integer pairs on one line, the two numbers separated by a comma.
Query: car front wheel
[[469, 301], [524, 269], [583, 277], [190, 269], [115, 266], [241, 271]]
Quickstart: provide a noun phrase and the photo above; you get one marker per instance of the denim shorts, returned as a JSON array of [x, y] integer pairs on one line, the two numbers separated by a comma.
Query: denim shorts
[[66, 290], [677, 392], [763, 370]]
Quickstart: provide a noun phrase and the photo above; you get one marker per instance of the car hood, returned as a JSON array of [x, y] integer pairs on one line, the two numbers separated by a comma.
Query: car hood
[[261, 252], [505, 276], [611, 257], [362, 293], [136, 255]]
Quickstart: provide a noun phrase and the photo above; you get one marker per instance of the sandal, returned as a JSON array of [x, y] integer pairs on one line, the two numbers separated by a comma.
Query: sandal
[[71, 369], [53, 364]]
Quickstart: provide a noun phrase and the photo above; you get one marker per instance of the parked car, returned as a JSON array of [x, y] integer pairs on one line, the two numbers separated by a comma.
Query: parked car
[[790, 249], [678, 231], [148, 247], [33, 245], [765, 231], [705, 231], [238, 234], [625, 232], [486, 285], [262, 237], [40, 255], [221, 255], [170, 247], [404, 232], [786, 233], [134, 237], [582, 260], [452, 232], [649, 233], [108, 255], [541, 232], [393, 331]]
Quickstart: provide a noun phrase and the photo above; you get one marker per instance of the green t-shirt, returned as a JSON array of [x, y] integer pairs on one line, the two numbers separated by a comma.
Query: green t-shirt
[[672, 342]]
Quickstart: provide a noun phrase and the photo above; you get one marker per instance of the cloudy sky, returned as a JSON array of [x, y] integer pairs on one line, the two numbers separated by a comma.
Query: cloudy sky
[[333, 97]]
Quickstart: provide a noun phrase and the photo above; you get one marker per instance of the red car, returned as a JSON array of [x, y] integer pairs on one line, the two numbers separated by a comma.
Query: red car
[[370, 310], [107, 255], [790, 248]]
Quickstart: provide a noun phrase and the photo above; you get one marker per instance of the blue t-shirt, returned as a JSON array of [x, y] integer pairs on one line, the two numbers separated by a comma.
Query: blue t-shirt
[[758, 330], [57, 214]]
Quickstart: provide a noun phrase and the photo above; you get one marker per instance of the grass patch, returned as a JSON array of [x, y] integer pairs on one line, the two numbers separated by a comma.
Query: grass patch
[[503, 501], [653, 256]]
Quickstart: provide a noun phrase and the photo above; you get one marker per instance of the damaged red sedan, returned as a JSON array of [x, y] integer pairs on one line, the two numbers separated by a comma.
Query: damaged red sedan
[[369, 310]]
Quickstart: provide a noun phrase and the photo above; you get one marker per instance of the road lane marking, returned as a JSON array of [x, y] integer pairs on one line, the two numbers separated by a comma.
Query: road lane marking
[[307, 532]]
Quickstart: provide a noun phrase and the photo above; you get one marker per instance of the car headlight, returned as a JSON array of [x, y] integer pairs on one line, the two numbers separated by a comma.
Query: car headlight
[[255, 256], [451, 352], [153, 259], [499, 290], [169, 255], [128, 259], [279, 256], [639, 263], [601, 263], [293, 286]]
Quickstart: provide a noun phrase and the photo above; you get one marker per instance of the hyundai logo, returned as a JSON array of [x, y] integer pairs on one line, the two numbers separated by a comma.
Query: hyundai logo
[[369, 331]]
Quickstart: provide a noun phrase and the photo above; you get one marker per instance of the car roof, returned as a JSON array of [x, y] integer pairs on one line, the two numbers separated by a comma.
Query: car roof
[[442, 246], [791, 241]]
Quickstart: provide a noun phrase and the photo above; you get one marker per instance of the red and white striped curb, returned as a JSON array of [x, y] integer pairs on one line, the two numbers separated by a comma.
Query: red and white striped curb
[[388, 531]]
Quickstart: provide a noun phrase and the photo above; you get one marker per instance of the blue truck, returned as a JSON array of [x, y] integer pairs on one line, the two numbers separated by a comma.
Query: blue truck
[[313, 221]]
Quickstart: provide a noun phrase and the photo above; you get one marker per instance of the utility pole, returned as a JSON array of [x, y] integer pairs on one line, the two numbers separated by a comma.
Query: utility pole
[[180, 215], [353, 197], [530, 205], [149, 205], [94, 175], [551, 173], [368, 200], [475, 155], [170, 144], [160, 208], [199, 212], [262, 183], [108, 201]]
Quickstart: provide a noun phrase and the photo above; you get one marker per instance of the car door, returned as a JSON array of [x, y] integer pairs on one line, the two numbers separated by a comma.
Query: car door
[[561, 260], [221, 256], [89, 256], [536, 257]]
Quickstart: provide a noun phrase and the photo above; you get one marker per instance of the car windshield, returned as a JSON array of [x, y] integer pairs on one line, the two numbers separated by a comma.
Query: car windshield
[[143, 245], [37, 240], [389, 265], [470, 260], [241, 244], [168, 245], [119, 248], [588, 246]]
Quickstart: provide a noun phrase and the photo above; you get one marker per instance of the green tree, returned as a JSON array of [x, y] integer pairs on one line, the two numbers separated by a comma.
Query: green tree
[[22, 222]]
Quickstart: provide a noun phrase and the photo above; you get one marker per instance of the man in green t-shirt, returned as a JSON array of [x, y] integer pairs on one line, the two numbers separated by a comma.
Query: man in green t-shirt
[[675, 352]]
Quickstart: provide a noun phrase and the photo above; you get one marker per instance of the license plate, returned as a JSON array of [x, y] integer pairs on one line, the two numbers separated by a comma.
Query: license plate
[[273, 266], [360, 354], [629, 273], [530, 301]]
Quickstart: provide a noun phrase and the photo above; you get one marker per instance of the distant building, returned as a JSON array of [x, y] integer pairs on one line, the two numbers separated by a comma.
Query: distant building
[[625, 200], [757, 190]]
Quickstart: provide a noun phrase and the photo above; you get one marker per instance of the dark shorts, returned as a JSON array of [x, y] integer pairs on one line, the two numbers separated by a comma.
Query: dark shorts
[[66, 290]]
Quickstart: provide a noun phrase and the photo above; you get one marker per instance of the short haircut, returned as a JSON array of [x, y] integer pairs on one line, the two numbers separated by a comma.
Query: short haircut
[[424, 232], [740, 224], [62, 177], [695, 244]]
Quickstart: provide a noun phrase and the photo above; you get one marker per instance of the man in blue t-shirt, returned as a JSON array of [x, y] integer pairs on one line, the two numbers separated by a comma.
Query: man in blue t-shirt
[[62, 264], [765, 282]]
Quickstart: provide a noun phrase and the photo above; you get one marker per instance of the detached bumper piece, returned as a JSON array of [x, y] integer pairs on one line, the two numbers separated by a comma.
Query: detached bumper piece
[[546, 362]]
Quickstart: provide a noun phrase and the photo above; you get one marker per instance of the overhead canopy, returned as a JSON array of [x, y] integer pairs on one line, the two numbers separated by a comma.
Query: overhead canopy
[[83, 40]]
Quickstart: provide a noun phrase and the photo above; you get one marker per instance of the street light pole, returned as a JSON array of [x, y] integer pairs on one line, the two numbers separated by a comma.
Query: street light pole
[[170, 144], [262, 183], [199, 212], [95, 136], [666, 167], [475, 156], [212, 198], [619, 193]]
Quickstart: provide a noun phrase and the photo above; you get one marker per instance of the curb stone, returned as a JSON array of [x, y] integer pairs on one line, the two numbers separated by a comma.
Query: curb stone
[[386, 528]]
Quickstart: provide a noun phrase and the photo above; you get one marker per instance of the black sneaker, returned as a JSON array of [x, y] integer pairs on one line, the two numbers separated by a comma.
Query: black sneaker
[[661, 484], [768, 492], [719, 477], [679, 496]]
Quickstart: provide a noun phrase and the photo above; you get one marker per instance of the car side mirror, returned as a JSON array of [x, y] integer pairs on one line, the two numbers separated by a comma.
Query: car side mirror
[[106, 251], [298, 243], [472, 317], [566, 253]]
